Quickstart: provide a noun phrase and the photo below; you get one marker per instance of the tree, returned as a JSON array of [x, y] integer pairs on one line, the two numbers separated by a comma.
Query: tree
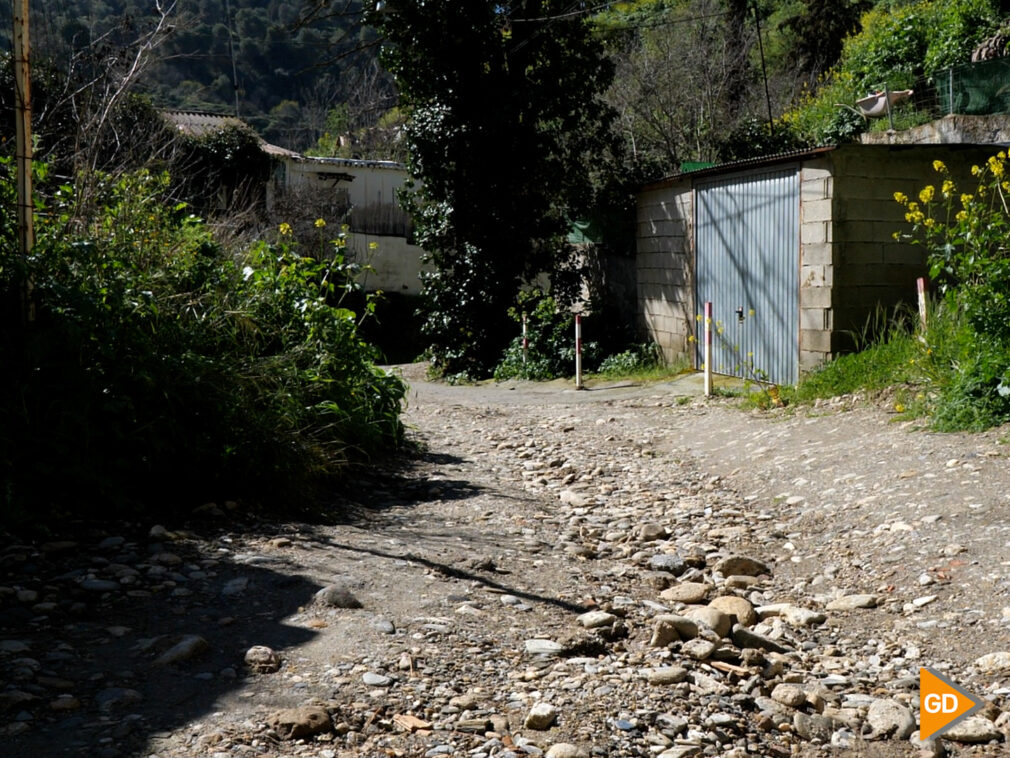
[[685, 76], [819, 32], [507, 122]]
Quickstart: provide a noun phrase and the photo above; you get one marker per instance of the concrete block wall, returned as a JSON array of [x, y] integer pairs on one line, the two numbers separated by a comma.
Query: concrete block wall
[[817, 262], [664, 267], [874, 271]]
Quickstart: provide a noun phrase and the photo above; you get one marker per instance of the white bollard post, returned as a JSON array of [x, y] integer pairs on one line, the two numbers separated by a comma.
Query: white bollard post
[[578, 352], [920, 285], [708, 348]]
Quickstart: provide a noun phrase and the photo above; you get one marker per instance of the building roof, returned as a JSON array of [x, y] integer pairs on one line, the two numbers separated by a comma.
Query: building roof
[[198, 124], [726, 168], [351, 162]]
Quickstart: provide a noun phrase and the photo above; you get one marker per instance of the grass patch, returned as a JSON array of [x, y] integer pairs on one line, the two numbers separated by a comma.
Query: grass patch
[[948, 374]]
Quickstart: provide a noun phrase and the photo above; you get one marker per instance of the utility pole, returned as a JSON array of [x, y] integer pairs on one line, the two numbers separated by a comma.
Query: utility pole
[[23, 158]]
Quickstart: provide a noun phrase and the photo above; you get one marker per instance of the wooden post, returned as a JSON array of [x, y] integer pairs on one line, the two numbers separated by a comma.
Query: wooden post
[[23, 158]]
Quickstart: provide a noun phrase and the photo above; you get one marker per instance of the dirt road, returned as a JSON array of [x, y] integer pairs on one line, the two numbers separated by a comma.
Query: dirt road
[[618, 572]]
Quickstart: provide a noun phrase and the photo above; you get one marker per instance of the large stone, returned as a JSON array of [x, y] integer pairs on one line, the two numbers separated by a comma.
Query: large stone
[[566, 750], [541, 716], [745, 638], [651, 532], [793, 615], [686, 592], [190, 646], [852, 602], [683, 627], [789, 694], [813, 726], [335, 596], [713, 618], [672, 564], [973, 730], [738, 609], [262, 660], [596, 619], [741, 565], [992, 663], [117, 697], [544, 647], [297, 723], [666, 675], [698, 649], [889, 719]]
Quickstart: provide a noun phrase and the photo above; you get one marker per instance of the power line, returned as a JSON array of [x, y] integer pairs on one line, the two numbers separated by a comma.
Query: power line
[[567, 14], [619, 25]]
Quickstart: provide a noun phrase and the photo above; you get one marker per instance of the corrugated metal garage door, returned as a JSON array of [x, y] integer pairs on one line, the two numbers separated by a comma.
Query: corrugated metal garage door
[[747, 263]]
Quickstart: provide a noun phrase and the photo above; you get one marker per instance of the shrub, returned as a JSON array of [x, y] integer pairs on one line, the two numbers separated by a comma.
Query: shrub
[[635, 359], [965, 235], [551, 337], [159, 369]]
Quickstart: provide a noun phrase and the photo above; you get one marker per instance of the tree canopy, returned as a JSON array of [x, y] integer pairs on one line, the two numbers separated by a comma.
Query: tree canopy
[[507, 127]]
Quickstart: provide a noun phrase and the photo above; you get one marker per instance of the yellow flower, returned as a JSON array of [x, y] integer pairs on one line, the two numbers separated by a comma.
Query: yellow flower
[[285, 229], [966, 199], [961, 216], [320, 223], [899, 407], [947, 188], [926, 193], [939, 167], [996, 166], [1001, 155], [929, 223], [975, 170], [373, 245], [900, 197]]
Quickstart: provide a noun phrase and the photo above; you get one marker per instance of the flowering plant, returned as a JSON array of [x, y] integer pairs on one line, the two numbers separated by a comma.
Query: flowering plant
[[967, 236]]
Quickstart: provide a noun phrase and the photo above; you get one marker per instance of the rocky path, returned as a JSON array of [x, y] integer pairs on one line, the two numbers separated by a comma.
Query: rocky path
[[619, 572]]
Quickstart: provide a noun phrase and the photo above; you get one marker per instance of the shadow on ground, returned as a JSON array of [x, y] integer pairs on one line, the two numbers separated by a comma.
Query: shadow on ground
[[79, 657], [85, 616]]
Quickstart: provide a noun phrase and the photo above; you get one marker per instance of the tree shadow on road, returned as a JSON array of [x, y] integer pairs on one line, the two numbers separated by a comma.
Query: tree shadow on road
[[79, 670]]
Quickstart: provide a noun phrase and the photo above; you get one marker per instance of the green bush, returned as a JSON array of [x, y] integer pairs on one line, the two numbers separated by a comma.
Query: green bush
[[897, 45], [160, 370], [965, 238], [551, 338], [636, 359]]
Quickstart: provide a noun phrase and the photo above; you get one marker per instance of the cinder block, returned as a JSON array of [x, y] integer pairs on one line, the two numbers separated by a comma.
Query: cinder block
[[815, 276], [859, 254], [815, 232], [904, 254], [815, 210], [815, 340], [817, 253], [815, 297], [810, 360], [815, 319]]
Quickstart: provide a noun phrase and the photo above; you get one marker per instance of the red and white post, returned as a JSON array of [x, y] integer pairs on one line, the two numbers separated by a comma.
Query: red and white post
[[578, 351], [526, 342], [708, 348], [920, 285]]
